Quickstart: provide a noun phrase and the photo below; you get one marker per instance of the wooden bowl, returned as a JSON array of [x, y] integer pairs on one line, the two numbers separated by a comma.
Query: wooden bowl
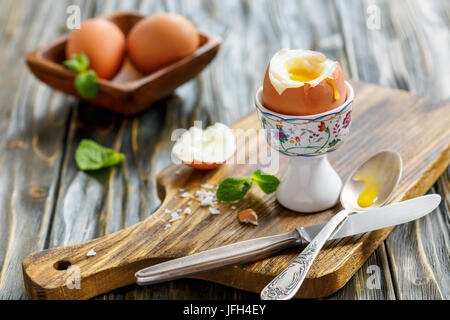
[[130, 91]]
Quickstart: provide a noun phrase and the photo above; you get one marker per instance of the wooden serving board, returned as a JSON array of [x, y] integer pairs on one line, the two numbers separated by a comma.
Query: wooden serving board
[[382, 119]]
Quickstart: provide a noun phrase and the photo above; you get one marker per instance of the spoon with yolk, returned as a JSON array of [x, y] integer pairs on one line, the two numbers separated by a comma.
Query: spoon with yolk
[[372, 183], [371, 189], [368, 187]]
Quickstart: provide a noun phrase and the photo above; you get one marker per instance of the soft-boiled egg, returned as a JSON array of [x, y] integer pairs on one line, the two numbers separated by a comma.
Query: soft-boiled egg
[[160, 39], [303, 82], [104, 44]]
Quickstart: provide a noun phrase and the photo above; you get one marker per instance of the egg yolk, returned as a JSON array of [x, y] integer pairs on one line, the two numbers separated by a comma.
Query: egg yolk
[[370, 192], [332, 83], [302, 74], [305, 71]]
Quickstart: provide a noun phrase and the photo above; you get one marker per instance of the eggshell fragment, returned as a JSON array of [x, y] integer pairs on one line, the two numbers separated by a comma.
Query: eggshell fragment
[[306, 99], [205, 149], [160, 39], [248, 216], [104, 44], [203, 166]]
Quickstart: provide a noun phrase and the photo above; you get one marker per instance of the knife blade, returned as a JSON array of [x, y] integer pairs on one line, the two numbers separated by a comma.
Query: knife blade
[[258, 248], [387, 216]]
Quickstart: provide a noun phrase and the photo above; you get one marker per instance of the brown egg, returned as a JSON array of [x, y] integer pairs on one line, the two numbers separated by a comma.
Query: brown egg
[[104, 44], [303, 82], [160, 39]]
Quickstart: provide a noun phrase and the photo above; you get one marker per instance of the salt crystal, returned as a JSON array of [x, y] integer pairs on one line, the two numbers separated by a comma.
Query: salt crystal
[[206, 198], [181, 190], [233, 207], [167, 226], [207, 186], [178, 210], [187, 211], [213, 211], [206, 203], [174, 217], [167, 211], [187, 195], [189, 203], [91, 253]]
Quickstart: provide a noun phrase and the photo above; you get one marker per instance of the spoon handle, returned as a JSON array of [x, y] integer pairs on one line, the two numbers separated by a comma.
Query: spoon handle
[[287, 283]]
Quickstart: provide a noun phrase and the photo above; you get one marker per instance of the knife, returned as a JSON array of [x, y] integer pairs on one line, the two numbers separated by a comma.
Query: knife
[[258, 248]]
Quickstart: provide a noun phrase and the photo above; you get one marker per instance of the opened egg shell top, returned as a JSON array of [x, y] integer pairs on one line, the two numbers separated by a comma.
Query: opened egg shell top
[[303, 82]]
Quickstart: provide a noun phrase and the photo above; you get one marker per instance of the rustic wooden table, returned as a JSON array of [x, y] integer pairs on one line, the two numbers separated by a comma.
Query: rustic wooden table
[[45, 201]]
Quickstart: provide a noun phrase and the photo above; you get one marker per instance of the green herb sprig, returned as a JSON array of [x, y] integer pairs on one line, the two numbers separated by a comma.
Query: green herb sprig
[[92, 156], [235, 188], [86, 82]]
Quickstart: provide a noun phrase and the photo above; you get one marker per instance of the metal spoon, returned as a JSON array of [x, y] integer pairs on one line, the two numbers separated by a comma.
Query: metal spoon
[[384, 169]]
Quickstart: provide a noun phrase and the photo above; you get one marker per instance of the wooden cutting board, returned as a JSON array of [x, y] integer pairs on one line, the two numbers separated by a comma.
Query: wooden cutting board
[[415, 126]]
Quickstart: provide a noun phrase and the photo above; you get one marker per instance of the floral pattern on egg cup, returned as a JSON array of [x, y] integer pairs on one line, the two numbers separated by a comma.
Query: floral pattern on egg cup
[[307, 136], [310, 183]]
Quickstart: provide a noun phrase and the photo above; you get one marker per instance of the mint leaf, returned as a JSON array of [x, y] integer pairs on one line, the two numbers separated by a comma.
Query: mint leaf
[[266, 182], [233, 189], [86, 84], [83, 61], [78, 63], [92, 156], [72, 65], [86, 81]]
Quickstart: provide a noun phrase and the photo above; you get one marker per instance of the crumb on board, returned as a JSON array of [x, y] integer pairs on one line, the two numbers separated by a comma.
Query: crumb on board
[[187, 211], [207, 186], [167, 226]]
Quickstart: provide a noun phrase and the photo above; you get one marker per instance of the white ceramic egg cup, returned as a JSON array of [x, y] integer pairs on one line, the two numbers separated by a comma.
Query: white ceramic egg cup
[[310, 183]]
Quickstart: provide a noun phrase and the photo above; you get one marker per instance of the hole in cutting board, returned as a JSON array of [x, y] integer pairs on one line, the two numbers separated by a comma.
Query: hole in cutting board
[[62, 265]]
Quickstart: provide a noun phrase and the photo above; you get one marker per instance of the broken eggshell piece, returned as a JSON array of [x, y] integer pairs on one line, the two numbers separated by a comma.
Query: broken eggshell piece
[[205, 149], [248, 216]]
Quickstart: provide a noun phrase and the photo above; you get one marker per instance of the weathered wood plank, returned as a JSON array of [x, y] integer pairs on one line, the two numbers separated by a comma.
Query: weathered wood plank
[[33, 126], [402, 54], [419, 252], [409, 55], [373, 281], [91, 206]]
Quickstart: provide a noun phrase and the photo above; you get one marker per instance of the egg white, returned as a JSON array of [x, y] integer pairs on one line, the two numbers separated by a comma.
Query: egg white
[[284, 59]]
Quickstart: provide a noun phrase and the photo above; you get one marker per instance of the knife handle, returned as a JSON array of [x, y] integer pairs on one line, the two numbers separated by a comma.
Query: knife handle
[[287, 283], [220, 257]]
